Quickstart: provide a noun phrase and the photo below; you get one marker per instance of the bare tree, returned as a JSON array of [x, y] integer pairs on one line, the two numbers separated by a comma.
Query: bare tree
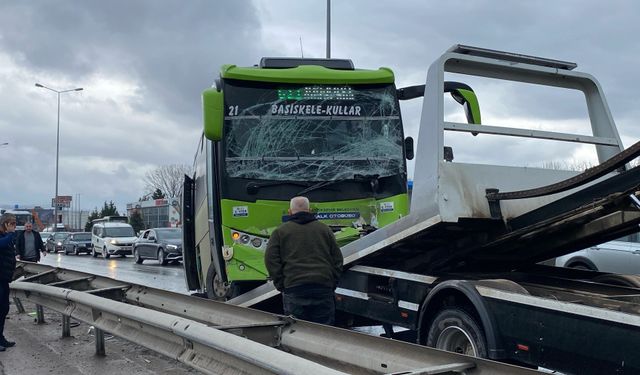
[[167, 178]]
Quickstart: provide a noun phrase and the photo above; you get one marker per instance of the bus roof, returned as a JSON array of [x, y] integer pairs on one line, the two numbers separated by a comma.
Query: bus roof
[[17, 212], [308, 74]]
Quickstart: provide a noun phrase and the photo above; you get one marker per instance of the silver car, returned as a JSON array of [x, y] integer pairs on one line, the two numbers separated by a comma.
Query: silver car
[[621, 256], [45, 236]]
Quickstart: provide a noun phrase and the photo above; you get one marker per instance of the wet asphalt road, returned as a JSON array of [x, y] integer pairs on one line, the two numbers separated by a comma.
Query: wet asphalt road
[[149, 273]]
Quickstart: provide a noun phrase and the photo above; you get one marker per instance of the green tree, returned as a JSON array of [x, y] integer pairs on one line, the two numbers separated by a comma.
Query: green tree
[[136, 221], [109, 209], [157, 194], [92, 216]]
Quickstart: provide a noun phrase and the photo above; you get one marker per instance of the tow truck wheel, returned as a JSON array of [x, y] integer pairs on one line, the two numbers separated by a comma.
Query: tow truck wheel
[[457, 331], [216, 288]]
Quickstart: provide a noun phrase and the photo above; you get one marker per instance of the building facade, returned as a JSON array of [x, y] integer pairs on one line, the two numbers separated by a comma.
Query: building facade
[[157, 213]]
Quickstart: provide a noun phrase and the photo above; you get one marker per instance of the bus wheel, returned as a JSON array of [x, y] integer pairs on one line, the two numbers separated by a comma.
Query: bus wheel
[[216, 288], [457, 331]]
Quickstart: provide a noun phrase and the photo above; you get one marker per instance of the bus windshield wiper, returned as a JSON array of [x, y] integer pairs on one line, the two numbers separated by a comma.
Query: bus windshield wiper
[[372, 179], [319, 185], [254, 187]]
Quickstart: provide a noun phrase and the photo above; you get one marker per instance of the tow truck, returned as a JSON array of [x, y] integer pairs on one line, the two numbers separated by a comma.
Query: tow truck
[[461, 271]]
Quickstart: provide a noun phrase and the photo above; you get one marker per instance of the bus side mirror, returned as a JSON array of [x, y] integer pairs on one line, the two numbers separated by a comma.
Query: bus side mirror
[[408, 148], [464, 95], [461, 93], [213, 113]]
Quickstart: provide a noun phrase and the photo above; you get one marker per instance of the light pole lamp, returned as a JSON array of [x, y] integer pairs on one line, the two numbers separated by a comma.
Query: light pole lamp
[[55, 200]]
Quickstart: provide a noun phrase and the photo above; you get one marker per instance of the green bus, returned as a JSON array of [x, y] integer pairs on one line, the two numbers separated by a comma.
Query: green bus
[[287, 127]]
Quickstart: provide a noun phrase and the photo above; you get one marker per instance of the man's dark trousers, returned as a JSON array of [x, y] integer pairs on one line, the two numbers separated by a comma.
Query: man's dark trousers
[[315, 303], [4, 305]]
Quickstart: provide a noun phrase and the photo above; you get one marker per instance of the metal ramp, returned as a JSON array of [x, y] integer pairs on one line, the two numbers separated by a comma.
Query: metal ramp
[[601, 212]]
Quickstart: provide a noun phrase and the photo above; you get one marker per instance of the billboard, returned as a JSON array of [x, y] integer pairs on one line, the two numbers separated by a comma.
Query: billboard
[[63, 201]]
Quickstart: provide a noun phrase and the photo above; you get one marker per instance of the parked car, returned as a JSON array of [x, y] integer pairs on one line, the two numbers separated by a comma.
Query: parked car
[[162, 244], [77, 243], [45, 236], [54, 242], [619, 256]]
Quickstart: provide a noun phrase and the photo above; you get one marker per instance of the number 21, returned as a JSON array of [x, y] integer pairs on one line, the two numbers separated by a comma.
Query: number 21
[[233, 110]]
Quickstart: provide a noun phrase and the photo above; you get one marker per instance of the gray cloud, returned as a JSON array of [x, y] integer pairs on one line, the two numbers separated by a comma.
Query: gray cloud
[[173, 49]]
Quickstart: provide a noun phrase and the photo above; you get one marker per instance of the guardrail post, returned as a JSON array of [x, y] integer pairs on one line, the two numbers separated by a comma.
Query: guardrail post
[[99, 341], [66, 326], [19, 306], [39, 314]]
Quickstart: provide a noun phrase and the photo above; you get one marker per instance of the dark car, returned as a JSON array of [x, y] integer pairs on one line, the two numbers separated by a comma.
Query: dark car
[[54, 242], [77, 243], [163, 244]]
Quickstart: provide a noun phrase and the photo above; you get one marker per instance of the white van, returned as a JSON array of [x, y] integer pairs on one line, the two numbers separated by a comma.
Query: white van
[[112, 238]]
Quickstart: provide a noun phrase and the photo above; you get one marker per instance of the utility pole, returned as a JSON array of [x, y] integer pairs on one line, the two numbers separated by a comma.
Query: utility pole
[[328, 29], [80, 215]]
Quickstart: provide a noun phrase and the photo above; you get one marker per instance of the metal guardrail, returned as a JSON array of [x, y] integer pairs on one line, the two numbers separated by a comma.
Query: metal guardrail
[[245, 340], [204, 348]]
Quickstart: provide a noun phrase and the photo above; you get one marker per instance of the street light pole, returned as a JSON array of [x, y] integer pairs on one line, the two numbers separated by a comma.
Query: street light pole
[[55, 199]]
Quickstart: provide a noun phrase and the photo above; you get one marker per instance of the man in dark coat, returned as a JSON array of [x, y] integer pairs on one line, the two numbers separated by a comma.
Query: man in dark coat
[[7, 267], [305, 262], [29, 244]]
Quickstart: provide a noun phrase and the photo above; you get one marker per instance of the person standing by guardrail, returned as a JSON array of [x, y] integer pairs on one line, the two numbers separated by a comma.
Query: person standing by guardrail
[[304, 261], [7, 267], [29, 244]]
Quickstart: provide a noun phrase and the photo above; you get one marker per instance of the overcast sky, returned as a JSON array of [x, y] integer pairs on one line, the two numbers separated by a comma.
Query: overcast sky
[[144, 64]]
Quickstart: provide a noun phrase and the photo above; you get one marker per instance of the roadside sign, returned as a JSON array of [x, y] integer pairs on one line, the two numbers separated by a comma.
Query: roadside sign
[[63, 201]]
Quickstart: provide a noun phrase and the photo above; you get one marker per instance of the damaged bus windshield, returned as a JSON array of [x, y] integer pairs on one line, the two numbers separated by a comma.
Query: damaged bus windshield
[[311, 133]]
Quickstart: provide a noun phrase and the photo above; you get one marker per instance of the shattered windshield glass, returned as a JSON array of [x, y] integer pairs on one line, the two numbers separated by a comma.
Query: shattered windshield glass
[[311, 132]]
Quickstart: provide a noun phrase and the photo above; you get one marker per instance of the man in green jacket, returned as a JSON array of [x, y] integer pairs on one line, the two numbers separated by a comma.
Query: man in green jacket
[[305, 262]]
